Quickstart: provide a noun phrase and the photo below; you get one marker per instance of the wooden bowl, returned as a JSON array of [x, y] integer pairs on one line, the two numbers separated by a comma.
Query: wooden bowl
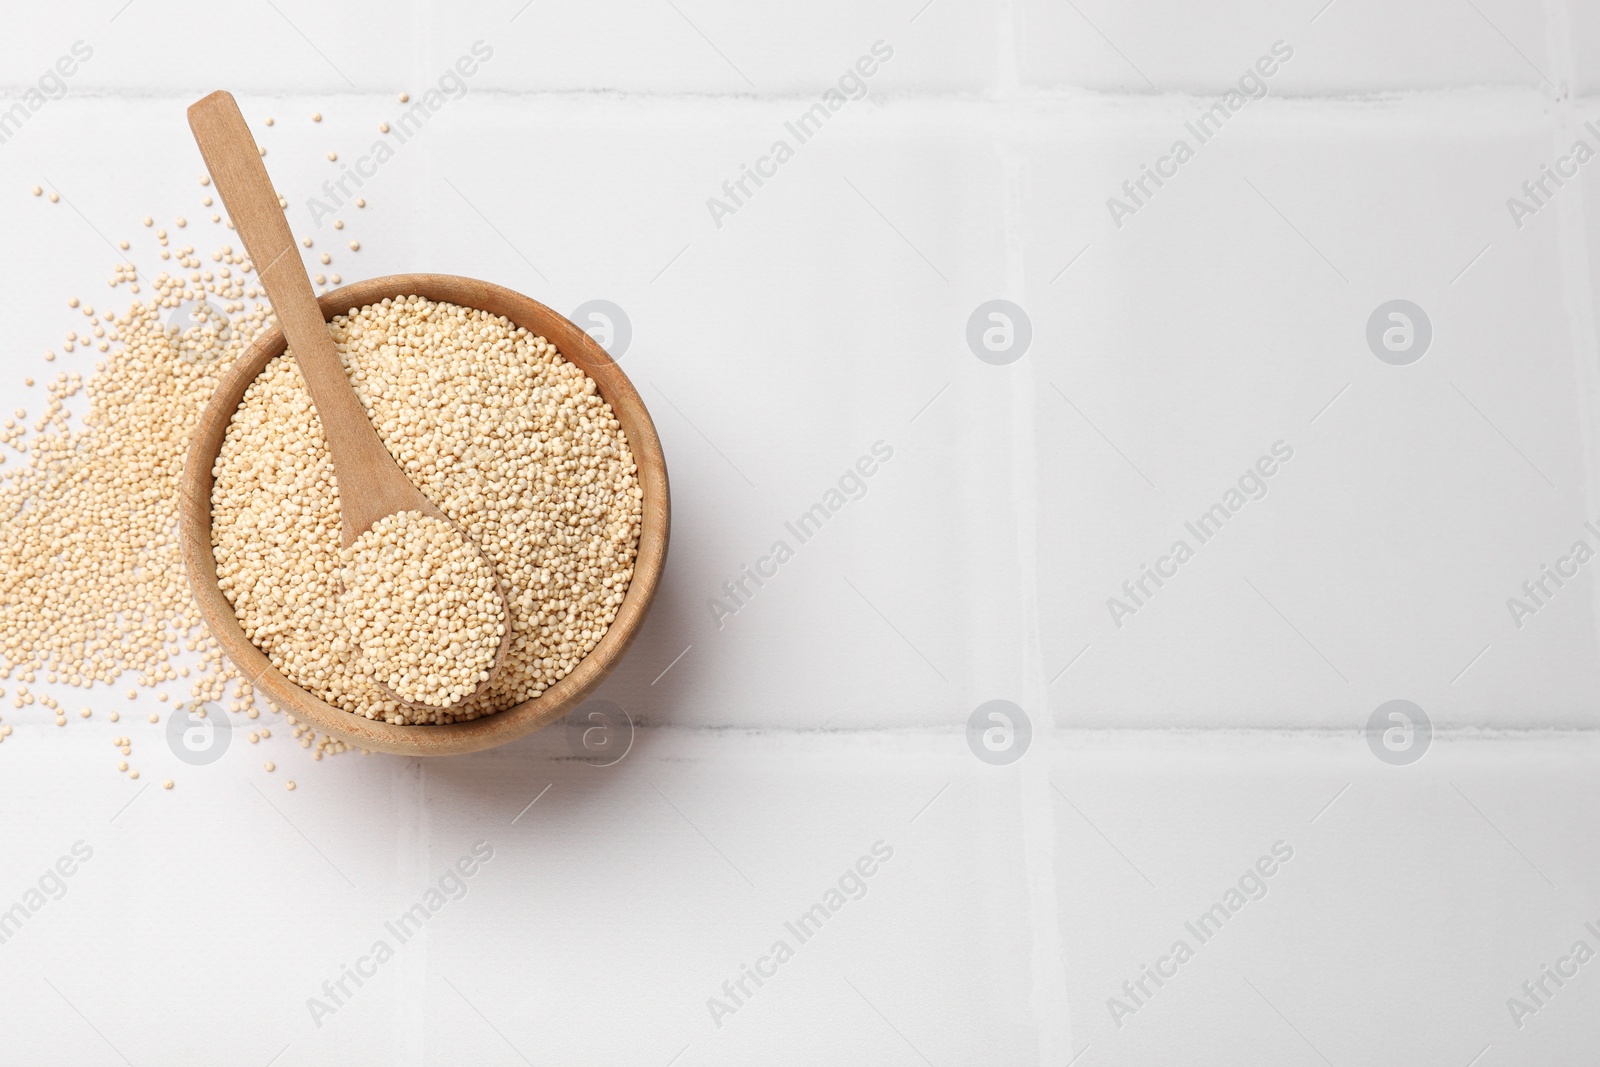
[[429, 740]]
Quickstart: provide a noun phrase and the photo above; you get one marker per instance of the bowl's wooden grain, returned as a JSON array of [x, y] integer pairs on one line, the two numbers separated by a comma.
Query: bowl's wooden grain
[[575, 345]]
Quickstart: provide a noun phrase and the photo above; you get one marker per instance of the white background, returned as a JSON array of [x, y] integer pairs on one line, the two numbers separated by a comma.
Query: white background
[[830, 312]]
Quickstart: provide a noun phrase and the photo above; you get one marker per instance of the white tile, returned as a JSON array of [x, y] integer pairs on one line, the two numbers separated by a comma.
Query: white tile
[[710, 47], [632, 46], [803, 337], [1342, 47], [193, 46], [1425, 884], [1226, 315]]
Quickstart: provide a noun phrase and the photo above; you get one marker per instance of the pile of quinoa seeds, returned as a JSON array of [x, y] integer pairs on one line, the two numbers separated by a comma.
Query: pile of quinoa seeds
[[423, 608], [513, 443]]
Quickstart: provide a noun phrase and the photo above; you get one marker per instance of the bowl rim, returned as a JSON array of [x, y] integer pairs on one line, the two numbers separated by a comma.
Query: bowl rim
[[575, 345]]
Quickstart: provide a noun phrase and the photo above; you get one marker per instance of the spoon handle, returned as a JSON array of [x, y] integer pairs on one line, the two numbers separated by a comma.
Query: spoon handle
[[371, 484]]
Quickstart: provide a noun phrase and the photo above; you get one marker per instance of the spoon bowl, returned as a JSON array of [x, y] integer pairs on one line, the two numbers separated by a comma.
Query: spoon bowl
[[575, 346]]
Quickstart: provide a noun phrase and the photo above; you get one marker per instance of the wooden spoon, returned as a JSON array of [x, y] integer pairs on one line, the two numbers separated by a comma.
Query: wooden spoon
[[371, 483]]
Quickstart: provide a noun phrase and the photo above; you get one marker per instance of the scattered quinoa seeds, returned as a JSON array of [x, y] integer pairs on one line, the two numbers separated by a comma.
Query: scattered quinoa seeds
[[91, 578]]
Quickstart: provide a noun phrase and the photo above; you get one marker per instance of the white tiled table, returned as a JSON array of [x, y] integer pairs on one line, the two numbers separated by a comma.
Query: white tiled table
[[778, 745]]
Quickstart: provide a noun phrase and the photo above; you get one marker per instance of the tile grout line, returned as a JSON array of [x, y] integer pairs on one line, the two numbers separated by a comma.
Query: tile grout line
[[1558, 47], [1008, 58], [1335, 732], [1047, 987], [1572, 246], [412, 996], [1034, 94]]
